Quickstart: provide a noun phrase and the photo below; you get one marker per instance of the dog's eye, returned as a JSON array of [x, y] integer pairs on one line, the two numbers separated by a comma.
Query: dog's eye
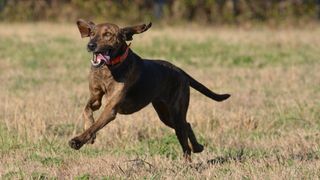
[[108, 34]]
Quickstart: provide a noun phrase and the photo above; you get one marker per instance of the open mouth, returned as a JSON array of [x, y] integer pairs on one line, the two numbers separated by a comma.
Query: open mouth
[[100, 57]]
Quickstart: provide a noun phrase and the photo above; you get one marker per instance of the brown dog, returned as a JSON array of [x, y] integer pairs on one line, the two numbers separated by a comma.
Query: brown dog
[[131, 83]]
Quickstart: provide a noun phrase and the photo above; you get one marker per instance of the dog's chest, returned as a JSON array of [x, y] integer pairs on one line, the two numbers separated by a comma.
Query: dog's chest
[[103, 79]]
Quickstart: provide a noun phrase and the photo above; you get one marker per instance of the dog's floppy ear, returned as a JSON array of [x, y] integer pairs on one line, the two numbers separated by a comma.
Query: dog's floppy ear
[[128, 32], [85, 27]]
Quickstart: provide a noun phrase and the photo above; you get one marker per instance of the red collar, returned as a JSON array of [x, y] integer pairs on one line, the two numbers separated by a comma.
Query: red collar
[[119, 58]]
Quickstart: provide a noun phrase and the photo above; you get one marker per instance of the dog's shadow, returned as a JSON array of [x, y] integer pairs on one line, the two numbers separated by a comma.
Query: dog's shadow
[[230, 157]]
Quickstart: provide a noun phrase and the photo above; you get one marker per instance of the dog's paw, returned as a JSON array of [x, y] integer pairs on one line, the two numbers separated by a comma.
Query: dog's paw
[[75, 143], [197, 148]]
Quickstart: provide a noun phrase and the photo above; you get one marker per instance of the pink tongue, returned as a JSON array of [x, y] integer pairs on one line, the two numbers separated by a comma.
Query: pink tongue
[[100, 57]]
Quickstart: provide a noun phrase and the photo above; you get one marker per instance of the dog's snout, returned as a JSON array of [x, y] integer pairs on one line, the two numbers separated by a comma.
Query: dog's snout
[[92, 46]]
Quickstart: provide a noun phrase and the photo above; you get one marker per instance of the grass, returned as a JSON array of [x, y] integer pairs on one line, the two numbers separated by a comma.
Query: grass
[[268, 129]]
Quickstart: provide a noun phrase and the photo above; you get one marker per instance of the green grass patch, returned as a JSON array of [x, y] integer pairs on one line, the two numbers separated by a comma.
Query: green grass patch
[[214, 51], [9, 140], [83, 177], [13, 175], [44, 53], [61, 130], [41, 176], [46, 160], [167, 146]]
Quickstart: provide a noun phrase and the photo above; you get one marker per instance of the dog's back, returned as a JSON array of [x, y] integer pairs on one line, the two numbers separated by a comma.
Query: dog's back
[[166, 66]]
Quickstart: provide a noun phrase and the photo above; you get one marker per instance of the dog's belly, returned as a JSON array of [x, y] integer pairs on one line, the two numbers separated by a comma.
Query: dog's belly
[[137, 98], [129, 107]]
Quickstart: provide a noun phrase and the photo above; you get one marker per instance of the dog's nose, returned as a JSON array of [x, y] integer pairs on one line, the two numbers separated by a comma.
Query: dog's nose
[[92, 46]]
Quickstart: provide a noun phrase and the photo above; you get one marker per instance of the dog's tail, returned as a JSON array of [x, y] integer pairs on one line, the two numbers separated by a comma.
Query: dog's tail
[[205, 91]]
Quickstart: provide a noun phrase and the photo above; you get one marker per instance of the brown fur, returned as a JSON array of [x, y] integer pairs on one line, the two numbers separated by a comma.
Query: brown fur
[[134, 83]]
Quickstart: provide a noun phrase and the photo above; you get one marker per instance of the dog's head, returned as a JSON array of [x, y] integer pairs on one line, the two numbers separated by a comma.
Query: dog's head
[[106, 40]]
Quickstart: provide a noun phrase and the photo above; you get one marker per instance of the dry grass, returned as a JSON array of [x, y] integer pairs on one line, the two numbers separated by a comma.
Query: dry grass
[[268, 129]]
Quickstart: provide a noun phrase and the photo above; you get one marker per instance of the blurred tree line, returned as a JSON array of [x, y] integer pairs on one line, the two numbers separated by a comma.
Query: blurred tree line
[[205, 11]]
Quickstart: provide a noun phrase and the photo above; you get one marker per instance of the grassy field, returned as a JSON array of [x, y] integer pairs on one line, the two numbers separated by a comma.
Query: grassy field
[[268, 129]]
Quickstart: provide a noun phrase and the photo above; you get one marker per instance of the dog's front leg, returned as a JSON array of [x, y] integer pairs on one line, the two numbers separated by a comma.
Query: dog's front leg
[[107, 115], [93, 104]]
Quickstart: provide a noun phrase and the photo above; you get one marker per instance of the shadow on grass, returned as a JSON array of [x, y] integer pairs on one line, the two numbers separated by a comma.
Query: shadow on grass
[[241, 155], [220, 160], [237, 157]]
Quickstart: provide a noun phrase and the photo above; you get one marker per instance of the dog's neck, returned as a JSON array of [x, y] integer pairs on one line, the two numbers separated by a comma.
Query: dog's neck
[[120, 55], [127, 67]]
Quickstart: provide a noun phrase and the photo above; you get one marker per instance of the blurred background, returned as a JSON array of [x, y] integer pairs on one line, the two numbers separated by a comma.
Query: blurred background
[[168, 11]]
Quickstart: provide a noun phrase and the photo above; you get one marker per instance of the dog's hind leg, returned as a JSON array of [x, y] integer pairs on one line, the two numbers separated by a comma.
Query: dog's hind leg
[[196, 146], [174, 120], [182, 135], [183, 103], [174, 116], [163, 113]]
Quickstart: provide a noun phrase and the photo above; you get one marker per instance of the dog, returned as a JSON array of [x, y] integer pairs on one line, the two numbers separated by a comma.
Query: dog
[[130, 83]]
